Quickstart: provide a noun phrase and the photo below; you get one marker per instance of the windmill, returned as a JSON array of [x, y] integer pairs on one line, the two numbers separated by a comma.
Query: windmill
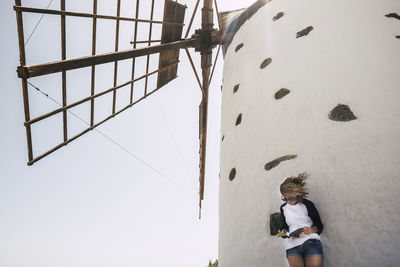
[[171, 41]]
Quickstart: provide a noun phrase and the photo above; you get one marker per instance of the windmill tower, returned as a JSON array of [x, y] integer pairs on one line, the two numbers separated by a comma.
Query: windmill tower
[[312, 86], [164, 49]]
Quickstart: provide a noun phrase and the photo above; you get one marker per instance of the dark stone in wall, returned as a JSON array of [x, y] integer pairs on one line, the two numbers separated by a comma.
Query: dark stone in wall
[[278, 16], [398, 36], [281, 93], [393, 15], [238, 47], [232, 174], [265, 63], [342, 113], [236, 88], [272, 164], [275, 223], [239, 119], [223, 137], [304, 32]]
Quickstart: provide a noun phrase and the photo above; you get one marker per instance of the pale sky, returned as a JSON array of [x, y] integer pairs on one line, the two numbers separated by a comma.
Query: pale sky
[[92, 203]]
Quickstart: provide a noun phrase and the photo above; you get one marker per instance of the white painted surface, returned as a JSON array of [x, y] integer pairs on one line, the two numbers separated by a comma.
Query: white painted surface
[[351, 57]]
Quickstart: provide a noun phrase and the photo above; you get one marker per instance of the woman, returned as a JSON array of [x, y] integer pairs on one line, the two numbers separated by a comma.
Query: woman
[[302, 220]]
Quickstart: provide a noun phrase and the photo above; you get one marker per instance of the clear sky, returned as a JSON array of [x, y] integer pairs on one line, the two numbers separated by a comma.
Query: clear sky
[[92, 203]]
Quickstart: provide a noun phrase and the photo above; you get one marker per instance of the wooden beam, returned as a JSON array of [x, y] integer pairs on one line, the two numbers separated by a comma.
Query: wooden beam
[[64, 73], [116, 50], [58, 66], [134, 47], [206, 63], [93, 76], [87, 15], [21, 43], [149, 43]]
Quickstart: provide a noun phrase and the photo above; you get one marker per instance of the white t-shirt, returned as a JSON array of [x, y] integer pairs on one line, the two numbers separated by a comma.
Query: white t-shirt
[[297, 217]]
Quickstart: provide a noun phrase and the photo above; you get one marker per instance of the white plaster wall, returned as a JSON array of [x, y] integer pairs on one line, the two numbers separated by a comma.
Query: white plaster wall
[[351, 57]]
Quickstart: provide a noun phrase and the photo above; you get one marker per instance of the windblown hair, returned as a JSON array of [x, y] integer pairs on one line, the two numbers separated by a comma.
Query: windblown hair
[[295, 185]]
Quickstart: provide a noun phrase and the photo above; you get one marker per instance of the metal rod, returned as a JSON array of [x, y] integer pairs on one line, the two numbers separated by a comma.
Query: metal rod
[[32, 161], [192, 18], [87, 15], [116, 50], [215, 63], [54, 112], [216, 10], [145, 42], [64, 73], [21, 44], [93, 77], [194, 69], [134, 47], [148, 56], [70, 64]]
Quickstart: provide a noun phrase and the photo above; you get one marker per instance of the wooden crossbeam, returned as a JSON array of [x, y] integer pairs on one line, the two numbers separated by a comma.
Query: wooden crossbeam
[[70, 64], [87, 15]]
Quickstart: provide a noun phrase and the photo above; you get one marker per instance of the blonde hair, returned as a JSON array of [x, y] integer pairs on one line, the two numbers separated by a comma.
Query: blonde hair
[[295, 185]]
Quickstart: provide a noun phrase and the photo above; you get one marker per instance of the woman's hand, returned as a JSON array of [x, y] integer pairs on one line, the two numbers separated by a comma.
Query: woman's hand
[[310, 230]]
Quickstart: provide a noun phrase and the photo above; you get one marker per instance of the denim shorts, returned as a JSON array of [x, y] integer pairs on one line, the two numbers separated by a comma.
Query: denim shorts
[[312, 247]]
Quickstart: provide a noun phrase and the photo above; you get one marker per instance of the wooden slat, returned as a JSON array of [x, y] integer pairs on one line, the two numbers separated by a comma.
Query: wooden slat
[[64, 73], [116, 50], [93, 76], [21, 44], [134, 47], [149, 43], [87, 15]]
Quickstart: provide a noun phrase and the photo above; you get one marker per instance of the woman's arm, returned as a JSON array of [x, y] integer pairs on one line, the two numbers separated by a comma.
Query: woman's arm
[[283, 219], [314, 215]]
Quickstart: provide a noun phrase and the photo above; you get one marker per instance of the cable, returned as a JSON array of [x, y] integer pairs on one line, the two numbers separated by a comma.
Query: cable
[[37, 24], [115, 142], [172, 135]]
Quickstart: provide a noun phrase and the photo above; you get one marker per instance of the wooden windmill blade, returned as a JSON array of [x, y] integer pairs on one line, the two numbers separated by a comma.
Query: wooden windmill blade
[[173, 12], [170, 43], [64, 65]]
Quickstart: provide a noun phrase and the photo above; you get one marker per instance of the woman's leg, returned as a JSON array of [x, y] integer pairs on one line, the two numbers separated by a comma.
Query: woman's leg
[[295, 261], [314, 261]]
